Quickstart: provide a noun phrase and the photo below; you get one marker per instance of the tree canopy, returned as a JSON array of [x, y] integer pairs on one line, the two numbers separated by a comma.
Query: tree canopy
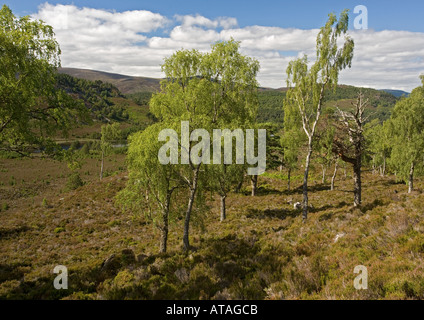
[[307, 85], [407, 131], [32, 108]]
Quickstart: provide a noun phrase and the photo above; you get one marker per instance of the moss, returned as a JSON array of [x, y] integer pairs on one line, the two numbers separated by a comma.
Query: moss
[[59, 230]]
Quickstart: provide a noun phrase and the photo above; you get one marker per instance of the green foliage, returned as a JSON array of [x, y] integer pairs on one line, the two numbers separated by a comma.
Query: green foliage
[[270, 106], [380, 102], [109, 133], [307, 85], [379, 143], [406, 127], [150, 183], [4, 206], [274, 148], [9, 154], [293, 138], [59, 230], [75, 145], [74, 181], [325, 137], [216, 90], [32, 108], [85, 150], [377, 98], [141, 98], [96, 96], [207, 86]]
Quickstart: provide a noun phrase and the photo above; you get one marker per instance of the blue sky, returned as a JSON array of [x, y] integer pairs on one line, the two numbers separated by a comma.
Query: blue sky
[[304, 14], [133, 37]]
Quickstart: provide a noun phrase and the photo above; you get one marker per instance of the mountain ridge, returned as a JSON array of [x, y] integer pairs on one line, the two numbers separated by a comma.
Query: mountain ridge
[[128, 84], [396, 93], [132, 84], [125, 84]]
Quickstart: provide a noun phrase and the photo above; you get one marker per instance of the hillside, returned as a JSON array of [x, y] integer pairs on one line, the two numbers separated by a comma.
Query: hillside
[[397, 93], [126, 84], [380, 102], [139, 90], [106, 104], [262, 251]]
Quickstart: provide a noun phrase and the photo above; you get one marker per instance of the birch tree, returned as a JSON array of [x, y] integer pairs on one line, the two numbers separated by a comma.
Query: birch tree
[[292, 140], [152, 187], [32, 109], [109, 134], [209, 91], [324, 149], [307, 85], [379, 144], [234, 104], [407, 131]]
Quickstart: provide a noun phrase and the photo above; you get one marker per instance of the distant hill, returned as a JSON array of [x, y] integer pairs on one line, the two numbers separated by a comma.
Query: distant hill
[[139, 90], [125, 84], [396, 93], [96, 95], [106, 103], [380, 102]]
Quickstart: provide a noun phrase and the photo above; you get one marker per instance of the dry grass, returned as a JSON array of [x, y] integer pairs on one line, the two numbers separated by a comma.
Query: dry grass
[[262, 251]]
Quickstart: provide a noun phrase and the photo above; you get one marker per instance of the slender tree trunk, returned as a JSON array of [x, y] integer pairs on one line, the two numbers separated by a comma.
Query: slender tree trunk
[[163, 238], [165, 221], [254, 180], [193, 189], [288, 179], [223, 208], [102, 165], [240, 184], [411, 178], [305, 182], [384, 165], [324, 169], [357, 190], [373, 165], [333, 178]]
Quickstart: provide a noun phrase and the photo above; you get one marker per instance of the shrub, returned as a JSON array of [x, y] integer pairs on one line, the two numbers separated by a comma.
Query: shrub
[[59, 230], [12, 181], [74, 181], [85, 150], [75, 145]]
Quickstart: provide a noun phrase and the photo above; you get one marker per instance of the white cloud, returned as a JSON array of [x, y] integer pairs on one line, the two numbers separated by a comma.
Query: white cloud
[[200, 21], [197, 20], [123, 42]]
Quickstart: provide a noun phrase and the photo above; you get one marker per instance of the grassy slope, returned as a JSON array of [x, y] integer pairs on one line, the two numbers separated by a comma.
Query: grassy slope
[[263, 250]]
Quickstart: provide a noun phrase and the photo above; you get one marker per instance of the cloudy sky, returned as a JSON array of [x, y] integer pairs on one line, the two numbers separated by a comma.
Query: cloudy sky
[[133, 37]]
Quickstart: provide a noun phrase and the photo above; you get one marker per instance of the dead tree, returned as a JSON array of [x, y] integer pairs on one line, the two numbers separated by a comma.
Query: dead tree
[[349, 144]]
